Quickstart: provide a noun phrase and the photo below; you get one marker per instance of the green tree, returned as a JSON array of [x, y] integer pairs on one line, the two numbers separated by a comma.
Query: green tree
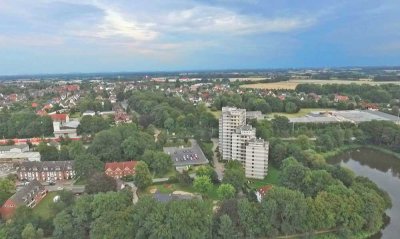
[[63, 226], [226, 228], [202, 184], [291, 107], [134, 146], [284, 210], [235, 177], [159, 162], [30, 232], [86, 165], [100, 182], [226, 191], [106, 146], [143, 178], [75, 149], [47, 152]]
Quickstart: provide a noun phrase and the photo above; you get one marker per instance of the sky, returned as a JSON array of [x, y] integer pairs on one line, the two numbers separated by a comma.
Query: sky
[[69, 36]]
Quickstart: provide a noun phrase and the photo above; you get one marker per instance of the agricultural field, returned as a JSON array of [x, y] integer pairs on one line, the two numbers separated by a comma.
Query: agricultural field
[[291, 84]]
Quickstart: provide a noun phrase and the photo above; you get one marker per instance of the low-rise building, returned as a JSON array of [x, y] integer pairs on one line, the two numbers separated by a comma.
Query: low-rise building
[[66, 129], [120, 169], [19, 148], [183, 158], [46, 171], [29, 196], [14, 157], [59, 117]]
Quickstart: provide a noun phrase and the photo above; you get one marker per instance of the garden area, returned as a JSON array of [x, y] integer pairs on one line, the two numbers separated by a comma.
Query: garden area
[[271, 179], [43, 209]]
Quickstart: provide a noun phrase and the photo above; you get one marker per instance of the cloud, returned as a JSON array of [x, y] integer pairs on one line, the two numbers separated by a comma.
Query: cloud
[[204, 19]]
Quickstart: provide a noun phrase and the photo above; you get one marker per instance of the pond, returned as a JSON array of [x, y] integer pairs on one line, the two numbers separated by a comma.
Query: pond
[[384, 170]]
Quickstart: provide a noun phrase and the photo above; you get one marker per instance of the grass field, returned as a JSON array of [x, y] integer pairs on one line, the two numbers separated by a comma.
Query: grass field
[[301, 113], [43, 208], [271, 179], [291, 84]]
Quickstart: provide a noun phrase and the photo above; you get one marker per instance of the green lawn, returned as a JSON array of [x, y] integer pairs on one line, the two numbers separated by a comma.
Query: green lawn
[[216, 114], [272, 178], [43, 208], [301, 113], [75, 115], [80, 181]]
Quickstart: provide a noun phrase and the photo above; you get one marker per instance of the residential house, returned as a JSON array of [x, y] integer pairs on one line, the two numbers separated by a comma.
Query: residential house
[[120, 169], [29, 196], [46, 171], [261, 192], [62, 118], [341, 98]]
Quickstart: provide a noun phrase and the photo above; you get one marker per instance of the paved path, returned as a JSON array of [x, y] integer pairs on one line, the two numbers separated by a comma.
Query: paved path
[[135, 197], [218, 167]]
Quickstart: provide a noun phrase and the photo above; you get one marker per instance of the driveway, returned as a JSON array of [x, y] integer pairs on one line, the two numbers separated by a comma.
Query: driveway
[[218, 167]]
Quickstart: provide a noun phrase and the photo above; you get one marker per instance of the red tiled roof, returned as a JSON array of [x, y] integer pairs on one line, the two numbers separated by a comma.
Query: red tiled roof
[[264, 189], [121, 165], [59, 117]]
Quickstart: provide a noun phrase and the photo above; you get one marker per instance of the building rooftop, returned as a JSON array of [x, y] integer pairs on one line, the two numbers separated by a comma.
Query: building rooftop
[[28, 192], [186, 156], [9, 147]]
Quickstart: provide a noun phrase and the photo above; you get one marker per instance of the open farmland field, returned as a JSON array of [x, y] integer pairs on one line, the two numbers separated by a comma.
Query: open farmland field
[[291, 84]]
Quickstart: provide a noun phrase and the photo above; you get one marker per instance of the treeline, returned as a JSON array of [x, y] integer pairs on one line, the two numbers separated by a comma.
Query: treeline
[[307, 201], [25, 125], [387, 78], [252, 102], [173, 114], [377, 94]]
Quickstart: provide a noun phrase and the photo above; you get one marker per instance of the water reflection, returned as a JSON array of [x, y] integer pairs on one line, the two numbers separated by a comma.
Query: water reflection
[[384, 170]]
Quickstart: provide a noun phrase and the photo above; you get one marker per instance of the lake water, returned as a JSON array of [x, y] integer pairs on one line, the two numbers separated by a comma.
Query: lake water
[[384, 170]]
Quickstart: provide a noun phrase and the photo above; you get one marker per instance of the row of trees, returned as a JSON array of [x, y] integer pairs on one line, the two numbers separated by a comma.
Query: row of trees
[[374, 93], [25, 125]]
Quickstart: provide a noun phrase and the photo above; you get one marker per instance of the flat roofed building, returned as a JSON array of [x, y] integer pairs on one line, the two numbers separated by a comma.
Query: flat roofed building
[[256, 164], [18, 148], [11, 157], [239, 141], [183, 157], [231, 118]]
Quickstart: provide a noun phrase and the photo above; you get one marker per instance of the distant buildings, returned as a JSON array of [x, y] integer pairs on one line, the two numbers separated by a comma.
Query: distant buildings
[[29, 196], [120, 169], [47, 171], [237, 141]]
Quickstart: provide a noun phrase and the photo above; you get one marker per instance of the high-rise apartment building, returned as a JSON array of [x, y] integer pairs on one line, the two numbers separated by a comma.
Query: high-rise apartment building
[[256, 163], [237, 141], [231, 119], [240, 138]]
